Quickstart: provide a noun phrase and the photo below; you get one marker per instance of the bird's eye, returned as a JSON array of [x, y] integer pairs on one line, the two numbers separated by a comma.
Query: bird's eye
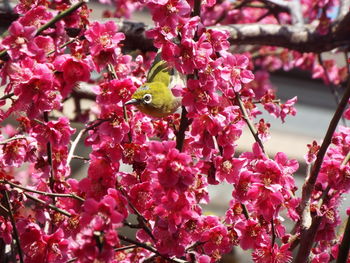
[[147, 98]]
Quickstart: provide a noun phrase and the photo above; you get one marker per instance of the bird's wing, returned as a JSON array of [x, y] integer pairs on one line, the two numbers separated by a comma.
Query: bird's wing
[[160, 70]]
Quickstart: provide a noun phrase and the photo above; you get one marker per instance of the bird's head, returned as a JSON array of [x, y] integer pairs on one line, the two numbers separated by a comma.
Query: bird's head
[[154, 99]]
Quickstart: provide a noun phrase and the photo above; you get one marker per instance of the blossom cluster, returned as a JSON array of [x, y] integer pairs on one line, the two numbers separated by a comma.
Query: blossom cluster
[[51, 216]]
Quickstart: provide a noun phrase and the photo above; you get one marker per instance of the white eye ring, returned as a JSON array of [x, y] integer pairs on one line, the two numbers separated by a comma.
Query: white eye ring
[[147, 98]]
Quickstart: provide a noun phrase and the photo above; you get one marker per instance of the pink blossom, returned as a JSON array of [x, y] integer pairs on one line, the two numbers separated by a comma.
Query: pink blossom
[[35, 86], [172, 168], [6, 230], [57, 132], [275, 254], [36, 17], [229, 169], [251, 233], [168, 12], [287, 108], [39, 247], [312, 152], [101, 177], [104, 40], [16, 41], [25, 6], [40, 46], [236, 72], [216, 240], [263, 130], [18, 151], [73, 70], [114, 91]]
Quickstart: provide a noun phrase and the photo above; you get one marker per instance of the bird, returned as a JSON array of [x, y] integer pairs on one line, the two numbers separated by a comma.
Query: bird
[[155, 98]]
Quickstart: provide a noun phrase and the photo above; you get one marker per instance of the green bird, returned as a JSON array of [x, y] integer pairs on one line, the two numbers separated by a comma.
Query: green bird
[[155, 98]]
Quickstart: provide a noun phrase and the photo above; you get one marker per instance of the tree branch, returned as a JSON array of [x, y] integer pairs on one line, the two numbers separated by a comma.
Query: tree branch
[[13, 222], [41, 192], [294, 37], [57, 209], [308, 233], [345, 244]]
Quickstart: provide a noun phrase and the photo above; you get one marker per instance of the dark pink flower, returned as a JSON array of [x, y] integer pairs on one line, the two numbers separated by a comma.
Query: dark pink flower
[[73, 70], [312, 152], [275, 254], [251, 233], [229, 169], [114, 91], [288, 108], [6, 230], [104, 40], [101, 177], [36, 17], [17, 41], [168, 12], [57, 132], [236, 72], [173, 169]]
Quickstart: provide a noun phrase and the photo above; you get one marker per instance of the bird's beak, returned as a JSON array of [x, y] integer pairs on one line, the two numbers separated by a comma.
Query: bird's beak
[[132, 101]]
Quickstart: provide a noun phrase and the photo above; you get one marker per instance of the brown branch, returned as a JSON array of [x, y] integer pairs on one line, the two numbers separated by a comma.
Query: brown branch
[[345, 244], [13, 222], [248, 122], [150, 248], [308, 234], [78, 157], [20, 137], [180, 135], [49, 159], [44, 203], [7, 96], [41, 192], [294, 37], [140, 218]]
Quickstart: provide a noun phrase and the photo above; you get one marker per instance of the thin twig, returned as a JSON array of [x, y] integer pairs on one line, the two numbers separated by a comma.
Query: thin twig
[[248, 121], [197, 8], [13, 222], [62, 46], [115, 250], [113, 75], [245, 211], [7, 96], [77, 139], [60, 16], [20, 137], [74, 145], [41, 192], [4, 208], [150, 248], [140, 217], [49, 159], [53, 21], [346, 159], [273, 232], [77, 157], [55, 208], [330, 85]]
